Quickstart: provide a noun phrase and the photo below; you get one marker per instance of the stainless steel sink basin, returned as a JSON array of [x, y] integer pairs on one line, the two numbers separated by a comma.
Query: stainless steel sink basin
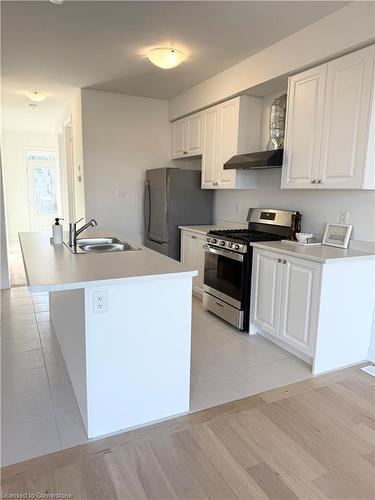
[[103, 244]]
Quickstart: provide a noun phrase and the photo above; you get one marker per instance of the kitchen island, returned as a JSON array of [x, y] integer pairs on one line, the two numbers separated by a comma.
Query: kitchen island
[[123, 322]]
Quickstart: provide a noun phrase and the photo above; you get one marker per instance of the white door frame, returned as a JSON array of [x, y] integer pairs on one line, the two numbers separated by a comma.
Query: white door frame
[[69, 168]]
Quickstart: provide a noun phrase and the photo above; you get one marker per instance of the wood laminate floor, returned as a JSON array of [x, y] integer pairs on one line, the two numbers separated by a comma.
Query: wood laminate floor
[[311, 440]]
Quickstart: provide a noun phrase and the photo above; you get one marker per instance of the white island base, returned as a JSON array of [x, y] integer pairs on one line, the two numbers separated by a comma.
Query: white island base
[[129, 364]]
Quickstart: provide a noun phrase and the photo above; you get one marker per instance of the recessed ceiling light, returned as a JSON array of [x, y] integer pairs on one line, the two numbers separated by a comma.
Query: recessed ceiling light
[[36, 95], [165, 57]]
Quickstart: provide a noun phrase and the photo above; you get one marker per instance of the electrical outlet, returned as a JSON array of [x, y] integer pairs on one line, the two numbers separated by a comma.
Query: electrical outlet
[[100, 302], [344, 216]]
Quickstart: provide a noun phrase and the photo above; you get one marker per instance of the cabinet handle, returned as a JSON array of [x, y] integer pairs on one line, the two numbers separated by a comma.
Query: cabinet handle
[[194, 237], [313, 181], [185, 153], [284, 261], [279, 260], [319, 181]]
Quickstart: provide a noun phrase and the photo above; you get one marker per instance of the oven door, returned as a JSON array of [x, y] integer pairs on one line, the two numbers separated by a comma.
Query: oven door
[[225, 275]]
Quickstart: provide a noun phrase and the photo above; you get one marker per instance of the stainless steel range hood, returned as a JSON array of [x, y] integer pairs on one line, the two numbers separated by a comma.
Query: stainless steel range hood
[[262, 160]]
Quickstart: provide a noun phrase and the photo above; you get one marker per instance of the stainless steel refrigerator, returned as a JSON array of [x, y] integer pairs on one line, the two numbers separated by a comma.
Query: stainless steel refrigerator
[[173, 197]]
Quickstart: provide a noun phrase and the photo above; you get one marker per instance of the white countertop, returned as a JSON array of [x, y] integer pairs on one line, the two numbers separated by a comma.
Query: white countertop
[[52, 268], [320, 253]]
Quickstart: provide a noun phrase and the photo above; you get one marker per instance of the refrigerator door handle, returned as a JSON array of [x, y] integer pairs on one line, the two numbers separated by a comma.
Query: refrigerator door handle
[[147, 208]]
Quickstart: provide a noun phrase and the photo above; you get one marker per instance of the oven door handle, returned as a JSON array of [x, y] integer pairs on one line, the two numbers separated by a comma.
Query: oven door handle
[[224, 253]]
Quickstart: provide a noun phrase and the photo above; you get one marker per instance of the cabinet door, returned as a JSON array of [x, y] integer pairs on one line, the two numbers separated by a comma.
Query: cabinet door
[[304, 124], [186, 250], [194, 134], [265, 291], [197, 251], [192, 254], [346, 120], [179, 136], [227, 142], [300, 303], [210, 121]]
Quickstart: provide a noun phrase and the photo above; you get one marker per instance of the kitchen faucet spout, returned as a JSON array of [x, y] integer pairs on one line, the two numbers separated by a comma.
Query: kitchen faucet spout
[[74, 232]]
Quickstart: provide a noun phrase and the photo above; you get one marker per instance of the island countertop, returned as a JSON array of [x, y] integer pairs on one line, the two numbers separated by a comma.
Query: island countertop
[[51, 268]]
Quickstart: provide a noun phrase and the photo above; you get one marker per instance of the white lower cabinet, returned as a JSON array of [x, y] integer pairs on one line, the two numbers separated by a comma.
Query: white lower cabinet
[[266, 292], [285, 294], [299, 299], [319, 310], [192, 254]]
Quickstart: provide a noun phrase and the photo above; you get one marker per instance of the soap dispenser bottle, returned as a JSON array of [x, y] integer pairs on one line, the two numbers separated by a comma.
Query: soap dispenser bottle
[[57, 232]]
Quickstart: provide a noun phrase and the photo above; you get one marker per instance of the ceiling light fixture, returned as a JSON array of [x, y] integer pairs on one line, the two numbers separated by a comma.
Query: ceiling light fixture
[[56, 2], [165, 57], [36, 95]]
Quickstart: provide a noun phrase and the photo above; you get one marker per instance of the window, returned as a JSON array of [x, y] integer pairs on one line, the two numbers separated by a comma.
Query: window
[[45, 190], [42, 183]]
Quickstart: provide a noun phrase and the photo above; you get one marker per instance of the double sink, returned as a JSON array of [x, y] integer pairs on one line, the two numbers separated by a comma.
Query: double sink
[[103, 244]]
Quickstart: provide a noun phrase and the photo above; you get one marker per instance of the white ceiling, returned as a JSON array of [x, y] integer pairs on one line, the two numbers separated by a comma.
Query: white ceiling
[[102, 45]]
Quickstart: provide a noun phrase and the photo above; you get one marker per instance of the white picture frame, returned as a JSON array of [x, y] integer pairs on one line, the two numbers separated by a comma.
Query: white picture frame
[[337, 235]]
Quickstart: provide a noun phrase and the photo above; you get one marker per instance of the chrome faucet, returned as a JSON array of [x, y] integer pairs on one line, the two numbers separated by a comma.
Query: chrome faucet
[[74, 232]]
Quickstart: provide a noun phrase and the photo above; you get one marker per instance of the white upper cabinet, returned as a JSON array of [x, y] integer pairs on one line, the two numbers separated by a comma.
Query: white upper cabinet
[[187, 136], [218, 133], [229, 115], [328, 141], [346, 120], [210, 125], [304, 128], [230, 128], [194, 134], [179, 136]]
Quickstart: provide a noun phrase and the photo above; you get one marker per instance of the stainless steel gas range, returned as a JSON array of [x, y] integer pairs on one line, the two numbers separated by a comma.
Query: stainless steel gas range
[[228, 263]]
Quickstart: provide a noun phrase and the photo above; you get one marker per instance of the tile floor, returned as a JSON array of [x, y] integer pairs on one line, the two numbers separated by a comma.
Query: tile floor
[[39, 410], [17, 269]]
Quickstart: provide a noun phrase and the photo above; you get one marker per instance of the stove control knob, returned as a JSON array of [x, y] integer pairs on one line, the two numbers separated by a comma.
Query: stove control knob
[[222, 243], [236, 247], [230, 245], [213, 240], [208, 240]]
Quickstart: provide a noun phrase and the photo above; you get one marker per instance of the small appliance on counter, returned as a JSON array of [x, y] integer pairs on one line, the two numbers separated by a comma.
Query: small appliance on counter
[[228, 263]]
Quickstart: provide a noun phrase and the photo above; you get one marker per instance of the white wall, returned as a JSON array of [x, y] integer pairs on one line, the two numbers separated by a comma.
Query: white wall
[[343, 30], [123, 136], [72, 117], [15, 176], [317, 207], [78, 161], [4, 268]]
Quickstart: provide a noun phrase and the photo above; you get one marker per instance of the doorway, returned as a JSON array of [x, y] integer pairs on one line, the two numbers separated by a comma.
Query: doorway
[[33, 189], [42, 181]]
